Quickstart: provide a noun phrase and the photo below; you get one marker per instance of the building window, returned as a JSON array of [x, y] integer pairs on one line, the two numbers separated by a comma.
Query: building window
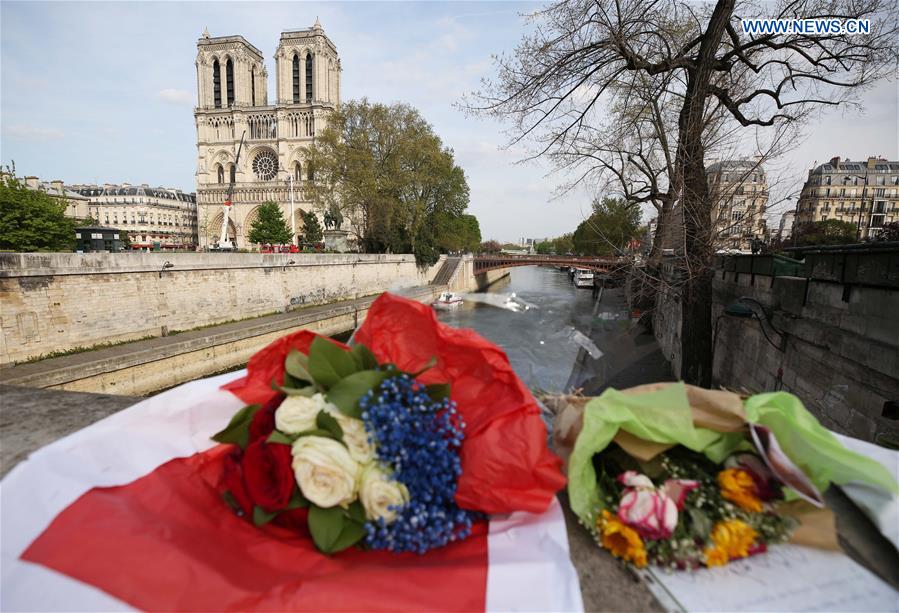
[[297, 172], [232, 173], [309, 78], [229, 78], [296, 78], [253, 86], [265, 165], [217, 84], [221, 173], [310, 173]]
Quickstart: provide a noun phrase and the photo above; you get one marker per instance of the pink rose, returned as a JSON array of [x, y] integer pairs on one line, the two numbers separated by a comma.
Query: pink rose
[[652, 511]]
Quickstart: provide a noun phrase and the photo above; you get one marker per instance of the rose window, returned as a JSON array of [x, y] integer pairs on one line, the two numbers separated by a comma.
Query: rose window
[[265, 165]]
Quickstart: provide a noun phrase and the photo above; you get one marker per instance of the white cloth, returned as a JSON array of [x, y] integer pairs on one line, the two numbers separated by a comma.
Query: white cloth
[[529, 564]]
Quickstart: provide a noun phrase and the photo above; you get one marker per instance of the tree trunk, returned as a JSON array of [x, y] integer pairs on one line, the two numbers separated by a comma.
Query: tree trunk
[[696, 291]]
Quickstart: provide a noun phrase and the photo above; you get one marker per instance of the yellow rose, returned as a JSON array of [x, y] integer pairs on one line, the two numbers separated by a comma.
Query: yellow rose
[[378, 493], [324, 470], [297, 413]]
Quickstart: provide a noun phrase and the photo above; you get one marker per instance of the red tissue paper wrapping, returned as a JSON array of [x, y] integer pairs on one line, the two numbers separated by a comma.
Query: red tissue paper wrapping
[[506, 464], [167, 541]]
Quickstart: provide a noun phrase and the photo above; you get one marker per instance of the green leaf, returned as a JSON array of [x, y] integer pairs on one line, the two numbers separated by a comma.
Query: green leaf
[[332, 530], [365, 359], [262, 517], [431, 364], [356, 512], [701, 525], [307, 391], [346, 393], [329, 423], [317, 432], [438, 391], [297, 500], [297, 366], [237, 431], [231, 501], [328, 363], [279, 438]]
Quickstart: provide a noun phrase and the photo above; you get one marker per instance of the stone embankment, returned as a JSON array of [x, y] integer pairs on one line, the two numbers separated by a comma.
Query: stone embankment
[[57, 302], [824, 328]]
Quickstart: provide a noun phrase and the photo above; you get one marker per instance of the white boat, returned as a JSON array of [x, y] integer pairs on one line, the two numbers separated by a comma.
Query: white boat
[[446, 301], [583, 278]]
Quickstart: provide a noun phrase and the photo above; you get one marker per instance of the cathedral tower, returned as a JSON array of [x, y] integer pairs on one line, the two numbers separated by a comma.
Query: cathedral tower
[[232, 100]]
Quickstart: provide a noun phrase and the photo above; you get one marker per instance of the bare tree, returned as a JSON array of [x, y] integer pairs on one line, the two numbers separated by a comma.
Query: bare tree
[[558, 79]]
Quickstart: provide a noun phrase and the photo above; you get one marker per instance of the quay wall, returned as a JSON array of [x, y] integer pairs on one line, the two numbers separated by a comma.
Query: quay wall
[[832, 335], [57, 302]]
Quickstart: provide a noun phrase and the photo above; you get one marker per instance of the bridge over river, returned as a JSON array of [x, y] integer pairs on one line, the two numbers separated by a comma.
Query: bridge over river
[[484, 263]]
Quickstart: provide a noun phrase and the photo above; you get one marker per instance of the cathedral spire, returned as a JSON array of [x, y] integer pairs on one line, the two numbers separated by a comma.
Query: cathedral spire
[[318, 25], [206, 32]]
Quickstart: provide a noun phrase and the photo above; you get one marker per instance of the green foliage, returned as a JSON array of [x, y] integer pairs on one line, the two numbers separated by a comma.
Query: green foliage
[[609, 228], [889, 232], [490, 246], [312, 229], [560, 246], [826, 232], [335, 529], [238, 429], [31, 220], [269, 226], [386, 168]]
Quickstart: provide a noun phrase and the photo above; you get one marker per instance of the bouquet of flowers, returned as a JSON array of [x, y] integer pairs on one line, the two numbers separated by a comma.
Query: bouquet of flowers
[[681, 477], [354, 449]]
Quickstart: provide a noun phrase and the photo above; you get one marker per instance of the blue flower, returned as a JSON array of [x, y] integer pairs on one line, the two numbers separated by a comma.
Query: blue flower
[[418, 438]]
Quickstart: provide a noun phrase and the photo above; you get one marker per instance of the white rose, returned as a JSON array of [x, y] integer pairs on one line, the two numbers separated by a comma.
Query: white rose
[[379, 493], [324, 470], [355, 437], [297, 413]]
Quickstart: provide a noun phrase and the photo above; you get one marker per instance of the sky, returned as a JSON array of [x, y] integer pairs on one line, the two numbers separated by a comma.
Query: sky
[[104, 92]]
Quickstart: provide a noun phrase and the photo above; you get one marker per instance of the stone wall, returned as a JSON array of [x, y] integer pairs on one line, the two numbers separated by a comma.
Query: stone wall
[[57, 302], [839, 347]]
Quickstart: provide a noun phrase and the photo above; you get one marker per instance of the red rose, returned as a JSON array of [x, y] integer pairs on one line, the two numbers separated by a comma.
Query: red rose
[[263, 422], [232, 481], [268, 475]]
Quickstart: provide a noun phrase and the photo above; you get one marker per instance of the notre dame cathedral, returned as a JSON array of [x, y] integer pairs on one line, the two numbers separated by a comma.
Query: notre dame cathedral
[[232, 92]]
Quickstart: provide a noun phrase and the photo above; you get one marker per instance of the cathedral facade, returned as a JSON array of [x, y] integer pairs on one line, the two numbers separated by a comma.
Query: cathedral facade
[[232, 95]]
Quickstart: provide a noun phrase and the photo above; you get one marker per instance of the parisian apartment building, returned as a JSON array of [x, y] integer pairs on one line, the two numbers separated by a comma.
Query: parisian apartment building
[[76, 204], [864, 193], [739, 191], [152, 217]]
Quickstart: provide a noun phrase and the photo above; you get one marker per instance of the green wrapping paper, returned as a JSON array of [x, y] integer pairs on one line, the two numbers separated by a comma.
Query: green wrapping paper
[[664, 416]]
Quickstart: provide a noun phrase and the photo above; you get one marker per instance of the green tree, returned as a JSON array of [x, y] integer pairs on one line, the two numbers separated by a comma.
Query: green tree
[[31, 220], [609, 228], [312, 229], [385, 168], [269, 226], [490, 246], [826, 232]]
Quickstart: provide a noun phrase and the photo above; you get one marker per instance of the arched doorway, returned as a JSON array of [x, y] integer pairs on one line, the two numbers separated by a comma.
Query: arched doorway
[[215, 230]]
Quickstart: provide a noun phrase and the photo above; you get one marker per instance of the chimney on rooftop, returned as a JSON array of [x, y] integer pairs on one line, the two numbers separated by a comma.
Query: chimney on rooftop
[[57, 185], [872, 162], [32, 182], [835, 162]]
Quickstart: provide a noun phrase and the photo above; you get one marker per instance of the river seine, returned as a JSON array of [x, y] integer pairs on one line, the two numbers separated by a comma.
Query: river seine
[[559, 337]]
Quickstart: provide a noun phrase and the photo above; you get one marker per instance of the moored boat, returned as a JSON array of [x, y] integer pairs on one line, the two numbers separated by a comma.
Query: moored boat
[[446, 301]]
